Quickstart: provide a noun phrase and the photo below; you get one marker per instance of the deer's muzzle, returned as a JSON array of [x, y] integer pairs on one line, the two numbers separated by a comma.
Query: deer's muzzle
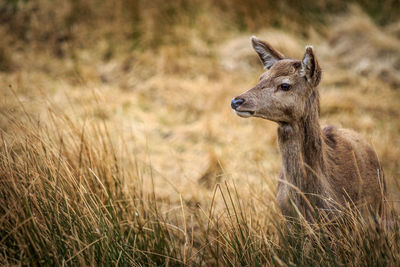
[[236, 102]]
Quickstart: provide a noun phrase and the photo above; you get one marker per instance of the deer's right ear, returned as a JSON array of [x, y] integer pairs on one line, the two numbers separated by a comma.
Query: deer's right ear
[[267, 54], [310, 68]]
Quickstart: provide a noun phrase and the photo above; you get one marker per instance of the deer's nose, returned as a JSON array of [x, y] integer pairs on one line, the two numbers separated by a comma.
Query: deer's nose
[[236, 102]]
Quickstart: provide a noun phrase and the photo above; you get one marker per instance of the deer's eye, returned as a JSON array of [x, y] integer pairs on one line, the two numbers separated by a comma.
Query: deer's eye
[[284, 87]]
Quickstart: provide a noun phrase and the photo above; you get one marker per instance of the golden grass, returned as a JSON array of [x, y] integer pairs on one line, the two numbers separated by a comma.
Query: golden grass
[[117, 156]]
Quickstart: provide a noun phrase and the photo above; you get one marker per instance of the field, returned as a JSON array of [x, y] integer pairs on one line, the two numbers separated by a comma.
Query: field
[[119, 147]]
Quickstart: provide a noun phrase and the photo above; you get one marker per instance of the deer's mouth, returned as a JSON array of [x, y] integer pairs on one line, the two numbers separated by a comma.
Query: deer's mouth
[[244, 113]]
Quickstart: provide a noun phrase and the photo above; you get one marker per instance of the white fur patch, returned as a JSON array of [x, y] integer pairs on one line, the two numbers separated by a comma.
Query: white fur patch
[[243, 114]]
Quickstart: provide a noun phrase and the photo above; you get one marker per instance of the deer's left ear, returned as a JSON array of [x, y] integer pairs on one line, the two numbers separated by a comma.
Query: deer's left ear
[[268, 55], [310, 68]]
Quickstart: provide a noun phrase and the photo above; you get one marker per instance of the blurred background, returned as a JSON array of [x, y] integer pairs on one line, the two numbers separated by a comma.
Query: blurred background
[[159, 75]]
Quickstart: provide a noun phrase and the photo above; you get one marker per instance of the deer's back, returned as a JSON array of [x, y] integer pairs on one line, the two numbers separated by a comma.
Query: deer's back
[[353, 168]]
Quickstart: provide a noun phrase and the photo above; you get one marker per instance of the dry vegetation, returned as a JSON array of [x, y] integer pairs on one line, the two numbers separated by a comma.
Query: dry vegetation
[[118, 145]]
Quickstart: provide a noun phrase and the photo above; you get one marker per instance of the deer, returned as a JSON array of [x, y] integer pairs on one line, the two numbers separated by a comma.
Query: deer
[[323, 169]]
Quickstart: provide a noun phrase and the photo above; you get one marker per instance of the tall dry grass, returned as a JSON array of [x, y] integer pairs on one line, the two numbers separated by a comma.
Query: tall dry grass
[[118, 146], [70, 197]]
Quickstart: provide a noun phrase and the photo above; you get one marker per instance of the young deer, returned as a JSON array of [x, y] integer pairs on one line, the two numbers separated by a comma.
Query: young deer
[[322, 169]]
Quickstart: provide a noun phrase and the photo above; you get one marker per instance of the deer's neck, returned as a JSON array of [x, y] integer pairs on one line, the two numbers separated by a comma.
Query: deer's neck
[[302, 151]]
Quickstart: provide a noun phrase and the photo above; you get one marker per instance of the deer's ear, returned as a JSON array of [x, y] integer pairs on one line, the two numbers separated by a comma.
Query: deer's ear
[[267, 54], [310, 68]]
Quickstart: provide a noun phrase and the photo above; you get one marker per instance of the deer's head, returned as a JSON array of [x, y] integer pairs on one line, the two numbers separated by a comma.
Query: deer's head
[[284, 89]]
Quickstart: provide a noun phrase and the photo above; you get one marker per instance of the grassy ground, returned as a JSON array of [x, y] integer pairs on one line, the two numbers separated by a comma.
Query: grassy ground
[[118, 145]]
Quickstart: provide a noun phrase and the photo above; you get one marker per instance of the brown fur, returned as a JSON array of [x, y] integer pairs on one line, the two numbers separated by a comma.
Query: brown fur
[[321, 168]]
